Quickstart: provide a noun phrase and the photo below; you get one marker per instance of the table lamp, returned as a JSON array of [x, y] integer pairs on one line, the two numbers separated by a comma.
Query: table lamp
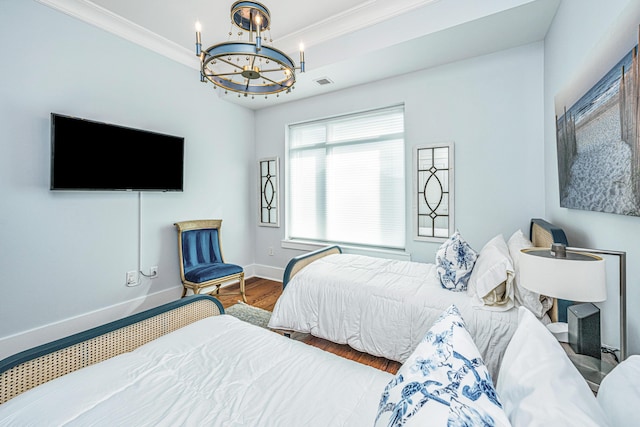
[[568, 275], [578, 275]]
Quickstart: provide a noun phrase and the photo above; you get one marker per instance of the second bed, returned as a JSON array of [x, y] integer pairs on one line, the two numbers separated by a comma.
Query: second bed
[[384, 307]]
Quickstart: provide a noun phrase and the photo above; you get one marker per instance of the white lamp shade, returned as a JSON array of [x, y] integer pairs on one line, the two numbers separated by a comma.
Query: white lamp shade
[[578, 277]]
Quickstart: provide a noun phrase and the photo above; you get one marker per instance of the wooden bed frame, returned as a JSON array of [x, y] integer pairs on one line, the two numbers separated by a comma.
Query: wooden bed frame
[[298, 263], [541, 233], [38, 365]]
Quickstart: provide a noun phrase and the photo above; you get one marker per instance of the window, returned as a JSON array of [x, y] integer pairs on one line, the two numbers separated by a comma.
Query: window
[[433, 172], [269, 192], [346, 179]]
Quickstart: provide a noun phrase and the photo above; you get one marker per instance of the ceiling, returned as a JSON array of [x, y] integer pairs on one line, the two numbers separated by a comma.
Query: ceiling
[[348, 42]]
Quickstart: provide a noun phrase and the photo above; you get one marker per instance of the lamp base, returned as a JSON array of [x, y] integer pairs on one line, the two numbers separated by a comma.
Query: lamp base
[[560, 330], [584, 329], [593, 370]]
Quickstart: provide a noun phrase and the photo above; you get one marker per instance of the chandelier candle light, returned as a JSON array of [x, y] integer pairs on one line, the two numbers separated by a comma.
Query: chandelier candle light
[[248, 67]]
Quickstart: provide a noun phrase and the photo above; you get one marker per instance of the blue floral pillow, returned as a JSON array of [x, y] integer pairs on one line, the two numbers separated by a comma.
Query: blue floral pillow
[[443, 383], [454, 262]]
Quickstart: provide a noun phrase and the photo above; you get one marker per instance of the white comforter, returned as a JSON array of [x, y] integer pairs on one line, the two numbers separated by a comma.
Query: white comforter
[[383, 307], [216, 372]]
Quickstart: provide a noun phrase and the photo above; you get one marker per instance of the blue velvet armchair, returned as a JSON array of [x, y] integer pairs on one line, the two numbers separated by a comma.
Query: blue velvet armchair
[[201, 261]]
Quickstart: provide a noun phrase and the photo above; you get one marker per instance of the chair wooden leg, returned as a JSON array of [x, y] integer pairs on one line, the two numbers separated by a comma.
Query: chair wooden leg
[[242, 292], [184, 292], [216, 292]]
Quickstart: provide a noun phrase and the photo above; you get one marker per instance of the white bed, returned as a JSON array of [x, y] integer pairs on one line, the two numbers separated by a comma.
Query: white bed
[[384, 307], [220, 371]]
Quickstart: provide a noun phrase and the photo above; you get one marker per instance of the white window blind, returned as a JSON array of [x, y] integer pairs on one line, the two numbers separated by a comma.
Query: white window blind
[[346, 179]]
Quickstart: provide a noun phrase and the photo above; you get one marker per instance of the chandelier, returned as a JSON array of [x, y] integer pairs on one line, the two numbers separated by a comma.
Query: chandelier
[[248, 67]]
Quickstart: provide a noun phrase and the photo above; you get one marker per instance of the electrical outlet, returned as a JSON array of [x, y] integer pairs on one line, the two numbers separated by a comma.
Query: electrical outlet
[[153, 272], [270, 251], [132, 278]]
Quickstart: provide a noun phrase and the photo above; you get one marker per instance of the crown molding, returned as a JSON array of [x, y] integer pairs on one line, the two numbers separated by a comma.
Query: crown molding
[[356, 18], [348, 21], [104, 19]]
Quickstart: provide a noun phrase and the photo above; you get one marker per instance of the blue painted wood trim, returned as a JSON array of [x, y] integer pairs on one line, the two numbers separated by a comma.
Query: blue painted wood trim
[[287, 271], [556, 232], [52, 346]]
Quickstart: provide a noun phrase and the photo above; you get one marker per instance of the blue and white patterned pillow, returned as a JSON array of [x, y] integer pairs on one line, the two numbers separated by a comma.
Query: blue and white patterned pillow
[[455, 260], [443, 382]]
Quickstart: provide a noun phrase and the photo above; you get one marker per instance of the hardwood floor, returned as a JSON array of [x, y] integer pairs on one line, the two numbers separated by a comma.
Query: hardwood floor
[[264, 293]]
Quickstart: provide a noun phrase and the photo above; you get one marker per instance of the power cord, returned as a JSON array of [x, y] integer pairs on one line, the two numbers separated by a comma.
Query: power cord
[[611, 351]]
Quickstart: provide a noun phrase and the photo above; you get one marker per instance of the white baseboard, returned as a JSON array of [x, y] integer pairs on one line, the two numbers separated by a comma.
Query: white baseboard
[[13, 344], [268, 272], [16, 343]]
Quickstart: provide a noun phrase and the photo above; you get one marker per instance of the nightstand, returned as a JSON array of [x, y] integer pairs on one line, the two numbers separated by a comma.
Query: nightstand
[[593, 370]]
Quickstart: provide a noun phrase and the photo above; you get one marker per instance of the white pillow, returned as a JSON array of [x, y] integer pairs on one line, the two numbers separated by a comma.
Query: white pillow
[[538, 384], [454, 261], [619, 393], [536, 303], [443, 382], [492, 276]]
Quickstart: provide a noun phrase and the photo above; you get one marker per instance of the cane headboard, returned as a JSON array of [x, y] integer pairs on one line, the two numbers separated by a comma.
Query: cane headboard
[[542, 235]]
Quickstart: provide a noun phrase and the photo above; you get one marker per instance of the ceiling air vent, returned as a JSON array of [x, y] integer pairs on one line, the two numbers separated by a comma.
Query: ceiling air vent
[[324, 81]]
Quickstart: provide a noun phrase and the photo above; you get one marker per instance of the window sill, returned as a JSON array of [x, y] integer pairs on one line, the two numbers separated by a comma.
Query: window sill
[[304, 245]]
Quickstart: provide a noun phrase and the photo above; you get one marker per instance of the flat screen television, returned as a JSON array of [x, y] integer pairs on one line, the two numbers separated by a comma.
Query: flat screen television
[[88, 155]]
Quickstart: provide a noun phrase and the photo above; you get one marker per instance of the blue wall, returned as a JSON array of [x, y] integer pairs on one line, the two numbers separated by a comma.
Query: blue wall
[[590, 35], [490, 106], [65, 254]]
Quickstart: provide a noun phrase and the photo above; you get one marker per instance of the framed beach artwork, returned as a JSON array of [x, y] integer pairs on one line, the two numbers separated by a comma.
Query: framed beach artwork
[[598, 143]]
